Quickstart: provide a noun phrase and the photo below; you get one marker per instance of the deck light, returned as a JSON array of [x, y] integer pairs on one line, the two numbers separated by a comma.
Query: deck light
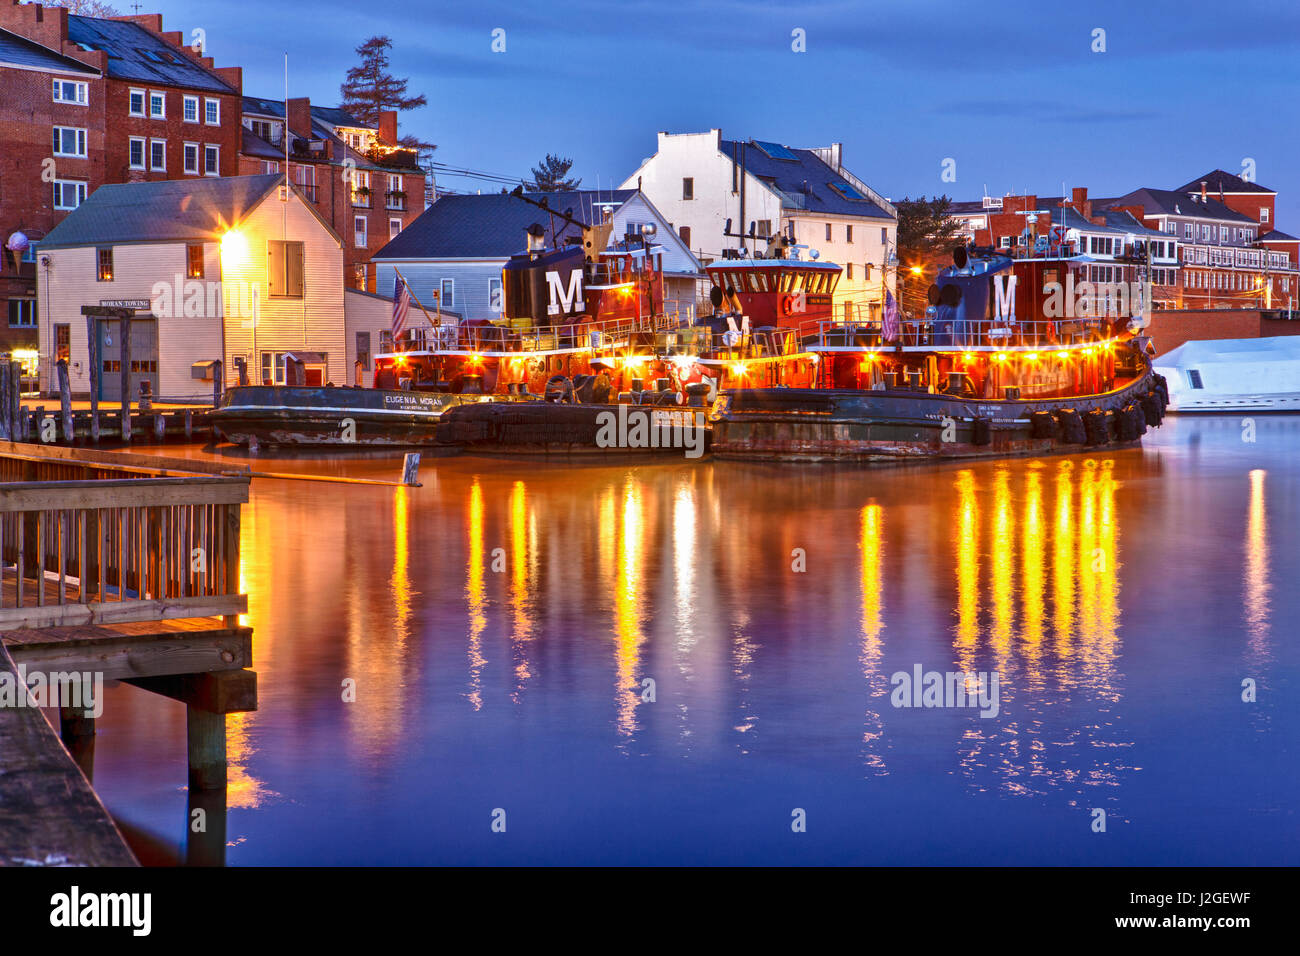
[[738, 368], [1032, 356], [968, 358], [1001, 357], [1063, 355]]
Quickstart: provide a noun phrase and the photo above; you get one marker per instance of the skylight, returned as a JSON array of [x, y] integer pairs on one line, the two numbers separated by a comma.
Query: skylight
[[776, 151]]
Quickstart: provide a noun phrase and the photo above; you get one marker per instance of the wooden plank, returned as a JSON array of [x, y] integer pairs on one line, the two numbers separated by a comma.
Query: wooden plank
[[121, 656], [65, 399], [220, 692], [123, 460], [49, 815], [112, 612], [123, 493]]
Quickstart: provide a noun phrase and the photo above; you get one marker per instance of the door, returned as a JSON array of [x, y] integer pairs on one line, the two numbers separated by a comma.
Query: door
[[144, 358]]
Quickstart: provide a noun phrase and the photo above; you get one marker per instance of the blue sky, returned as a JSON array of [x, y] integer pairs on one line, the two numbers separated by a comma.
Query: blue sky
[[1011, 91]]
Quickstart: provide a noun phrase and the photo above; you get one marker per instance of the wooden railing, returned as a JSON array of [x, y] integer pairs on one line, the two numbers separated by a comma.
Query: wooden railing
[[113, 550]]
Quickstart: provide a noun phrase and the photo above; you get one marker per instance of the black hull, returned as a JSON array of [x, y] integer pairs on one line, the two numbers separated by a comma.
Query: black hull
[[879, 427], [331, 416], [544, 428]]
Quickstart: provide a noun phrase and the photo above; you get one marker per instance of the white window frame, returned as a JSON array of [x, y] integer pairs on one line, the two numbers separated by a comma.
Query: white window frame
[[447, 300], [1263, 214], [144, 102], [78, 141], [162, 98], [187, 101], [79, 187], [210, 104], [144, 152], [394, 233], [81, 88], [360, 231], [185, 159], [216, 166], [152, 166]]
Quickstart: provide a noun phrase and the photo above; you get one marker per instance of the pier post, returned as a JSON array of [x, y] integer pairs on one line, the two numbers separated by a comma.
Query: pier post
[[205, 828], [411, 468], [189, 423], [65, 400], [159, 427], [77, 731], [124, 330], [92, 348], [6, 422], [218, 384], [17, 415], [206, 746]]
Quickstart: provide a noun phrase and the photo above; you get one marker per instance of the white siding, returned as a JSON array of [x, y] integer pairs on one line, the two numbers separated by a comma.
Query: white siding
[[471, 278], [156, 271], [363, 312]]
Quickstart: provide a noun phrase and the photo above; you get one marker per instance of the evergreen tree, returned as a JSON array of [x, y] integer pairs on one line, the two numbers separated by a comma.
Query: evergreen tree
[[370, 88], [926, 236], [552, 175]]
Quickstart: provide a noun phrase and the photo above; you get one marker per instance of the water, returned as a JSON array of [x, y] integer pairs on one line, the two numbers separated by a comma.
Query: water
[[499, 622]]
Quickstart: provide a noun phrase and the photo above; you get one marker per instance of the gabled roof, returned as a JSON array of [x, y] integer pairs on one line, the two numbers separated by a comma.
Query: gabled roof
[[324, 115], [136, 54], [20, 53], [176, 210], [803, 180], [1169, 202], [1278, 235], [492, 226], [1116, 222], [1218, 181]]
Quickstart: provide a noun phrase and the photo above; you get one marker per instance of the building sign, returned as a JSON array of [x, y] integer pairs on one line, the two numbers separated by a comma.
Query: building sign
[[126, 303]]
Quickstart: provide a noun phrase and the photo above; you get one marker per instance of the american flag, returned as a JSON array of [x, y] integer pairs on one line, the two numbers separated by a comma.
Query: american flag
[[401, 306], [889, 323]]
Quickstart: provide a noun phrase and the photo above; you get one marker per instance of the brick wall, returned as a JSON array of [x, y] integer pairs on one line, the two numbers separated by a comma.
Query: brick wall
[[1171, 328]]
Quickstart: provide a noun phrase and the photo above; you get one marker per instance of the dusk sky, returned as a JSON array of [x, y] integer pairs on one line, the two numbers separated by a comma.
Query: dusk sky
[[1010, 90]]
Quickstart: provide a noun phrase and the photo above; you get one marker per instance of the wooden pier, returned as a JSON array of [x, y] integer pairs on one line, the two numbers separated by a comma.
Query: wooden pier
[[125, 567]]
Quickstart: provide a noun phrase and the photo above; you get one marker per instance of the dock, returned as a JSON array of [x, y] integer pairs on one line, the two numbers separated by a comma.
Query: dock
[[125, 568]]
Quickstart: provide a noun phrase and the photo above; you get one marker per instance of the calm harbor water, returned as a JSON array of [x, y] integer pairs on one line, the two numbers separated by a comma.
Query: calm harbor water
[[499, 623]]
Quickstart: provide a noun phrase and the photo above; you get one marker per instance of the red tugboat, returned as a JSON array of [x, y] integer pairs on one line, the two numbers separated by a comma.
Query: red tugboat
[[976, 378]]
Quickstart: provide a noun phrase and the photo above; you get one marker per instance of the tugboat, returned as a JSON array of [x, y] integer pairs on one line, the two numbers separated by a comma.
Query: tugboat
[[973, 380]]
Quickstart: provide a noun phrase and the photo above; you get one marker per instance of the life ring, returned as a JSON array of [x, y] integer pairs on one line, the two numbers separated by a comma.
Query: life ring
[[787, 304]]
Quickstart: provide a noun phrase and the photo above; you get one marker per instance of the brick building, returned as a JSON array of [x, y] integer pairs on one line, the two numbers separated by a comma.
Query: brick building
[[86, 101], [365, 186]]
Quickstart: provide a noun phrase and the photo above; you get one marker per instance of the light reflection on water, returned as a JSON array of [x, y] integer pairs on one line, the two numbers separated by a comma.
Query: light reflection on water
[[500, 621]]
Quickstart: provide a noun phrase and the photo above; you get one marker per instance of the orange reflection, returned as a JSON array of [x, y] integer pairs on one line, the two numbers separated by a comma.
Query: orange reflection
[[627, 609], [871, 544], [474, 595], [1063, 584], [968, 561], [1003, 561], [1256, 570], [1032, 592], [519, 596]]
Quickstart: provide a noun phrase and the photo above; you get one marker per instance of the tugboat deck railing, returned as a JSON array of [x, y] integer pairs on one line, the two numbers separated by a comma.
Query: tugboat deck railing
[[928, 335]]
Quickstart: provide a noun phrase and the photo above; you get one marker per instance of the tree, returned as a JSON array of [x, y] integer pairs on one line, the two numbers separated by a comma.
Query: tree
[[552, 175], [370, 88], [926, 236], [88, 8]]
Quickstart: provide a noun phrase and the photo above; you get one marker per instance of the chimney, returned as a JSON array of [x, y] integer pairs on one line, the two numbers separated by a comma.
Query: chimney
[[298, 115], [388, 127], [1203, 185], [1080, 201], [837, 156]]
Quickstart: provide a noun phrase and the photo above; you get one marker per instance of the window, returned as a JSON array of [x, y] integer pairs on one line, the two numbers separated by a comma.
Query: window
[[211, 160], [273, 368], [764, 228], [394, 227], [496, 298], [1223, 233], [285, 269], [361, 188], [70, 91], [1189, 231], [848, 233], [194, 260], [688, 187], [135, 152], [137, 103], [1263, 214], [191, 154], [158, 154], [68, 193], [685, 233], [359, 231], [212, 111], [104, 264], [363, 351], [69, 141], [270, 167], [884, 236], [62, 341], [157, 105], [828, 232], [1194, 378], [22, 313], [848, 272], [190, 109], [1004, 242], [447, 292]]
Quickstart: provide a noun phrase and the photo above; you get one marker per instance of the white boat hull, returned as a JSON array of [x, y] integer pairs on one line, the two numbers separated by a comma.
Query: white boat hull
[[1233, 375]]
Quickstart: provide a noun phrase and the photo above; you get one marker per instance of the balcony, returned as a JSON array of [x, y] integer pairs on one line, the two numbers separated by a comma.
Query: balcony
[[395, 200], [361, 198], [308, 190]]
